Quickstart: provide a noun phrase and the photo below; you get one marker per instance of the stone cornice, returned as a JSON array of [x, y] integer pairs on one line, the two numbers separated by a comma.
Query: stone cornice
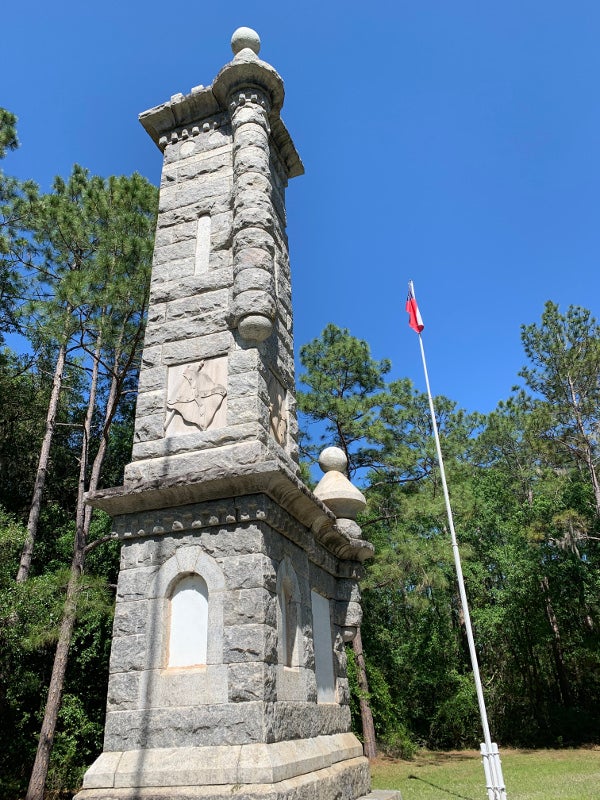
[[189, 111], [271, 478]]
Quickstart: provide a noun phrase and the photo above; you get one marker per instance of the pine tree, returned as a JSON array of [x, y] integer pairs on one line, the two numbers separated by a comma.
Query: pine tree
[[125, 217]]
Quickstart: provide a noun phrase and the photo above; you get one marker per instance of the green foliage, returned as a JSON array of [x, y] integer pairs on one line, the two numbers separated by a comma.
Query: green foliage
[[30, 615], [8, 132], [346, 391], [455, 723], [392, 734], [76, 744], [80, 257], [564, 351], [18, 200], [525, 508]]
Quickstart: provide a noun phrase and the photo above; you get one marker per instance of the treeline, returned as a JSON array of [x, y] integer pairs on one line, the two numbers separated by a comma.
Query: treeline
[[524, 485], [74, 276]]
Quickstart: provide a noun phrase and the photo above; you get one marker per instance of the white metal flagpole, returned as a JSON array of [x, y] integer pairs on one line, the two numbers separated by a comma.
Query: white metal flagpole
[[489, 750]]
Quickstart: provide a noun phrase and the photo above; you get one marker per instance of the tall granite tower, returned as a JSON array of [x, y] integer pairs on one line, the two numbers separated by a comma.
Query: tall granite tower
[[238, 586]]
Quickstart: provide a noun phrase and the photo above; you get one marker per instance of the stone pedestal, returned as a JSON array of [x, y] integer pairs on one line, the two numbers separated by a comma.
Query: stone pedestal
[[265, 711]]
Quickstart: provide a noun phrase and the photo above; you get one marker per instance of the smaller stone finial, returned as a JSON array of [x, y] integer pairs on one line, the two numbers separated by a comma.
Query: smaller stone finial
[[334, 489], [245, 37]]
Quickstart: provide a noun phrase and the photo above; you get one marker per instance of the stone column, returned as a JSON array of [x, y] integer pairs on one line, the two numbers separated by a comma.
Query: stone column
[[253, 243]]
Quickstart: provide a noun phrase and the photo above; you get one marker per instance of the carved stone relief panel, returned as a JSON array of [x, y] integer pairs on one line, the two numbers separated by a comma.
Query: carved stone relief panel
[[196, 396], [277, 409]]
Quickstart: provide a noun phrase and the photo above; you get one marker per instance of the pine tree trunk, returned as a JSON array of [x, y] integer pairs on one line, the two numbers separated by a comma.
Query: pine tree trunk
[[557, 651], [116, 384], [588, 454], [594, 478], [39, 772], [84, 515], [42, 469], [366, 715]]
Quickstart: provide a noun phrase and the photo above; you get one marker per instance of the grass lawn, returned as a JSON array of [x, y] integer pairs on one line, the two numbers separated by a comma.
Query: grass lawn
[[529, 775]]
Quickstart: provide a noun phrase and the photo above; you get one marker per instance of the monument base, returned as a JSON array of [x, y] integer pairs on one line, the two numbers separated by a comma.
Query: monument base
[[304, 768]]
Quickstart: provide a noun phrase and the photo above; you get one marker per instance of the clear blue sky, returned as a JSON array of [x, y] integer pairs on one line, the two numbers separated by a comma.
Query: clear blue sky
[[454, 143]]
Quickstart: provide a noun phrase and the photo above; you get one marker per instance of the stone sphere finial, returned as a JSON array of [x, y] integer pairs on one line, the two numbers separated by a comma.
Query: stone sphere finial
[[245, 37], [333, 458], [334, 489]]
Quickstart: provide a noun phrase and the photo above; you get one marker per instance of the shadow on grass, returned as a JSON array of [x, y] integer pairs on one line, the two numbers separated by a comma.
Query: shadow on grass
[[441, 788]]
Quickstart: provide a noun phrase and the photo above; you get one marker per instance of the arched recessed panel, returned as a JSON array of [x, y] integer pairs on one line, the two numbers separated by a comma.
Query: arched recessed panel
[[188, 630]]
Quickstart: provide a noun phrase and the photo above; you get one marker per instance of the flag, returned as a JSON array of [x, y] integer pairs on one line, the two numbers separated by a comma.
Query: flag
[[414, 315]]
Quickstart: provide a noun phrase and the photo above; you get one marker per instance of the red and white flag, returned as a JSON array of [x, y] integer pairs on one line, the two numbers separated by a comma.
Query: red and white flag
[[414, 315]]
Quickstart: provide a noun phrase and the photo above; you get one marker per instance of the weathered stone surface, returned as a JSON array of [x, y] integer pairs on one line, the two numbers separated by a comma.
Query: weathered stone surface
[[197, 440], [249, 681], [194, 466], [250, 643], [212, 162], [296, 684], [228, 541], [208, 317], [347, 614], [349, 527], [348, 590], [130, 618], [253, 302], [253, 571], [250, 606], [223, 723], [197, 348], [174, 688], [303, 720], [241, 410], [149, 427], [252, 159], [174, 252], [163, 289], [336, 491], [152, 379], [253, 236], [156, 313], [250, 131], [382, 794], [133, 583], [253, 279], [123, 691], [249, 766], [244, 384], [208, 193], [150, 403], [197, 307], [151, 357], [175, 233], [248, 216], [128, 653], [211, 141], [255, 181]]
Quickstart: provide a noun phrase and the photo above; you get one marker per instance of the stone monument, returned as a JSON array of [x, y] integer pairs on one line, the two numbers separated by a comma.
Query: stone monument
[[238, 586]]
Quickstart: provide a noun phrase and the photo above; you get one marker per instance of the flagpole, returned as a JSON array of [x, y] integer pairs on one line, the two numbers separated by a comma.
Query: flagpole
[[493, 770]]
